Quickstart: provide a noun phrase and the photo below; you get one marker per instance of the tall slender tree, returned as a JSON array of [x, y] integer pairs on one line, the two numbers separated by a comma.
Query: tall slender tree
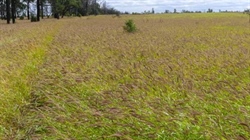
[[13, 10], [8, 11], [28, 9], [27, 2], [87, 7], [42, 6], [38, 10], [95, 7]]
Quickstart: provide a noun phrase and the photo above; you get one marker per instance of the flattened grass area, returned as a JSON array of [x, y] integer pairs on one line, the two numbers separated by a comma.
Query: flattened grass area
[[184, 76]]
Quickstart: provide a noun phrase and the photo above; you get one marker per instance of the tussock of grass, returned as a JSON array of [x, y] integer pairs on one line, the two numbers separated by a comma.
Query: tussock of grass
[[91, 80]]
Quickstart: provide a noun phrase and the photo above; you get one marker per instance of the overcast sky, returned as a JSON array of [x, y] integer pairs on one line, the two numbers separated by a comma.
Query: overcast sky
[[162, 5]]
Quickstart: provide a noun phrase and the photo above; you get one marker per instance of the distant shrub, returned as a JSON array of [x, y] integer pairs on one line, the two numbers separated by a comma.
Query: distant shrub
[[33, 19], [21, 17], [130, 26], [67, 15], [126, 13], [79, 15], [118, 14]]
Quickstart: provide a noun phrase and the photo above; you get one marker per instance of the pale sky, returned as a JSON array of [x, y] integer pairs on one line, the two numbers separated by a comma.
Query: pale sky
[[162, 5]]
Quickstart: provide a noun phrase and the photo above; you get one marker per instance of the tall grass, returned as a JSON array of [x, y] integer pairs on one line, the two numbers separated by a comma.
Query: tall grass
[[87, 79]]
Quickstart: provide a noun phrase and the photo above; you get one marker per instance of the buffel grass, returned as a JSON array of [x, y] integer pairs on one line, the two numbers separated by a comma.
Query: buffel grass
[[184, 76]]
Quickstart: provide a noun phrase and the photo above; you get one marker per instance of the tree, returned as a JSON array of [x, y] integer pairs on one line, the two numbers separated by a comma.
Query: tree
[[8, 11], [42, 8], [153, 10], [13, 10], [28, 7], [57, 7], [210, 10], [175, 11], [167, 11], [86, 8], [104, 7], [2, 9], [95, 8], [38, 9], [20, 8], [61, 7]]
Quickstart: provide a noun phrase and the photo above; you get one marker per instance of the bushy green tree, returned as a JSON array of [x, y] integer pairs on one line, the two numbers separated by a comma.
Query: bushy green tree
[[61, 7], [130, 26]]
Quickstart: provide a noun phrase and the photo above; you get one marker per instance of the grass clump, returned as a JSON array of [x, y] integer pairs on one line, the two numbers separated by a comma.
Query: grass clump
[[130, 26]]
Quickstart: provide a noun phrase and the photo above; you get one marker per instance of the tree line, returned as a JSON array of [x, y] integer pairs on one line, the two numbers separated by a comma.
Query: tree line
[[11, 9]]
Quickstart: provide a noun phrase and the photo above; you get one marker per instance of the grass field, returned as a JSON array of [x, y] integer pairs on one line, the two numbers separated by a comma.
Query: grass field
[[183, 76]]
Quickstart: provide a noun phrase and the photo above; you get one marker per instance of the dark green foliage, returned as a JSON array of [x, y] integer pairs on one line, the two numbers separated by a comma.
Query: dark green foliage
[[9, 9], [21, 18], [33, 19], [79, 15], [130, 26], [56, 15], [210, 10]]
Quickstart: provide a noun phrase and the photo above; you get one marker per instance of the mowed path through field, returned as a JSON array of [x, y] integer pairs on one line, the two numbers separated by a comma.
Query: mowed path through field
[[23, 50], [178, 77]]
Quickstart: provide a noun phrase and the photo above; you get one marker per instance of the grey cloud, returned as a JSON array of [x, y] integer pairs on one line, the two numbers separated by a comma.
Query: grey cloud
[[162, 5]]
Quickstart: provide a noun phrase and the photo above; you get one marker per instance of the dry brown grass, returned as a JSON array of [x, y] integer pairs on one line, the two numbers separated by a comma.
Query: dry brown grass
[[178, 77]]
